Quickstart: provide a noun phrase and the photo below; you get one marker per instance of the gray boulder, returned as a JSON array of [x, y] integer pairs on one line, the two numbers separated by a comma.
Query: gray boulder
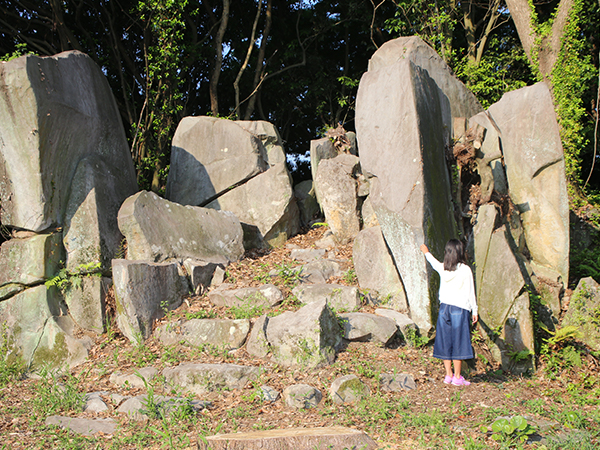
[[268, 135], [348, 389], [368, 327], [583, 311], [263, 297], [137, 379], [200, 274], [338, 297], [306, 199], [336, 188], [91, 233], [266, 207], [269, 394], [307, 254], [462, 101], [144, 292], [292, 438], [301, 396], [224, 333], [40, 332], [28, 262], [94, 402], [203, 378], [320, 149], [307, 337], [208, 157], [501, 295], [375, 268], [402, 147], [257, 344], [87, 302], [403, 322], [157, 229], [85, 427], [55, 112], [535, 168], [390, 382]]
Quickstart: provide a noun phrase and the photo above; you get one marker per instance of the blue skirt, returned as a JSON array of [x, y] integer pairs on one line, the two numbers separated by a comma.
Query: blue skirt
[[453, 333]]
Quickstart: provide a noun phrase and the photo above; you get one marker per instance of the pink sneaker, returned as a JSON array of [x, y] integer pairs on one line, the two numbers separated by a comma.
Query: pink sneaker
[[460, 381], [448, 380]]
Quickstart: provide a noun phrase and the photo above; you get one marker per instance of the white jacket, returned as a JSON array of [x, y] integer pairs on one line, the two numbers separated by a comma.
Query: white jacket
[[456, 287]]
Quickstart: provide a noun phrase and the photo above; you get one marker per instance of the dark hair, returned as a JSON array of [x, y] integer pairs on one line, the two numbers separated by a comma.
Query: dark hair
[[454, 253]]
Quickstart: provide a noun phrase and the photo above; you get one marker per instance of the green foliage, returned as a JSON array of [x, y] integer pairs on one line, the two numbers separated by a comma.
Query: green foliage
[[20, 50], [200, 314], [68, 279], [571, 75], [562, 334], [521, 356], [289, 275], [248, 307], [11, 367], [504, 67], [433, 21], [414, 338], [350, 276], [584, 262], [57, 394], [511, 431]]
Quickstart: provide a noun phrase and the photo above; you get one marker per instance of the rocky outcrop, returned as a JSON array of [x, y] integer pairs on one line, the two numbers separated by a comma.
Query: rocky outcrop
[[306, 199], [348, 389], [402, 147], [157, 229], [367, 327], [301, 396], [265, 296]]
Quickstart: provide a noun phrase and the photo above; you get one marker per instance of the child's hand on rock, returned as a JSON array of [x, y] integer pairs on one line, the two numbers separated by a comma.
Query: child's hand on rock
[[424, 248]]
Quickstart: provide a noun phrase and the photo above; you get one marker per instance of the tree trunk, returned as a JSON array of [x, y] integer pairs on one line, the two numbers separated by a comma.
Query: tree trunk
[[547, 53], [214, 79]]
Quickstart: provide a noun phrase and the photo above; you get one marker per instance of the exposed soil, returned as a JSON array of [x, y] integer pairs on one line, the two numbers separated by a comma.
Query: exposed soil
[[434, 415]]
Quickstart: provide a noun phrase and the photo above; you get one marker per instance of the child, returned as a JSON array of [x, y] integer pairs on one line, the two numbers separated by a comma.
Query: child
[[457, 305]]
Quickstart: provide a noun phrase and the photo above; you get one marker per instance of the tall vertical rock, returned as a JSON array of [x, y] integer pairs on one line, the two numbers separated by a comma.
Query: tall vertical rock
[[400, 120], [535, 169], [55, 111]]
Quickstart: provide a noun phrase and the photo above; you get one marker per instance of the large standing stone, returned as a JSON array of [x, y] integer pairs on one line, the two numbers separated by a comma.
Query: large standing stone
[[257, 344], [375, 268], [40, 331], [334, 438], [55, 111], [265, 205], [401, 117], [307, 337], [157, 229], [91, 233], [336, 187], [208, 157], [501, 296], [320, 149], [144, 291], [29, 261], [462, 101], [203, 378], [535, 168]]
